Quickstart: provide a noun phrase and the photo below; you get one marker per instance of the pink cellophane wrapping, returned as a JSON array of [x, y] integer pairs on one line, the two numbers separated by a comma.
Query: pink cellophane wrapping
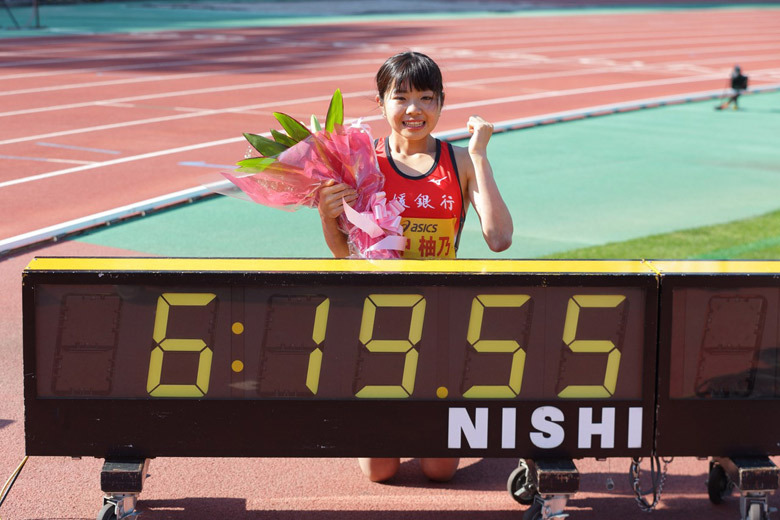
[[347, 156]]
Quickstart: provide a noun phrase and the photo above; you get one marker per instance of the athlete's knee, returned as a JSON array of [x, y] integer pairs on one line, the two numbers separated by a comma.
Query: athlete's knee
[[439, 469], [379, 469]]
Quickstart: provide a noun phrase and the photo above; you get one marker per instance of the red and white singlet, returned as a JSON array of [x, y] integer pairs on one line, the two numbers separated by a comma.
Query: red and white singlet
[[433, 202]]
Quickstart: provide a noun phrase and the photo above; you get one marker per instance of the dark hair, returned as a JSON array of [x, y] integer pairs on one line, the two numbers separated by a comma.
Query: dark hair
[[410, 69]]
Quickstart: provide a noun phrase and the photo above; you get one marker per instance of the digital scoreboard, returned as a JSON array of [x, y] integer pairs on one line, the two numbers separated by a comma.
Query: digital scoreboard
[[133, 358], [719, 359]]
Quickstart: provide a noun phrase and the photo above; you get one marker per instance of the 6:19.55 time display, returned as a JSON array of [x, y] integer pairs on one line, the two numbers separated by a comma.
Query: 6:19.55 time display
[[334, 342]]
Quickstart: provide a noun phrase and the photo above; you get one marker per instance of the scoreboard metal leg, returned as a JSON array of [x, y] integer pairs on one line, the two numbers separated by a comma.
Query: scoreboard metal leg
[[121, 483], [546, 485], [754, 477]]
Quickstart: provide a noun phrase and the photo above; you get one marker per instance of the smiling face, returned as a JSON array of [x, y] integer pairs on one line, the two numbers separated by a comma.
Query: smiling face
[[410, 94], [411, 113]]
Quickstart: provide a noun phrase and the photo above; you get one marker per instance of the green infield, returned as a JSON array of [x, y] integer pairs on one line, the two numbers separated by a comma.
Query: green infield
[[755, 238], [572, 188]]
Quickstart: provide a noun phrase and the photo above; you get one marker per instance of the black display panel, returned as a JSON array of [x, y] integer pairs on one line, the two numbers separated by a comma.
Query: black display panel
[[727, 346], [339, 363], [719, 377], [336, 342]]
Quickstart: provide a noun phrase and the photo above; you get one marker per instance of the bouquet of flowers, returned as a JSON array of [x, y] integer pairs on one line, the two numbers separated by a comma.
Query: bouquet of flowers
[[293, 166]]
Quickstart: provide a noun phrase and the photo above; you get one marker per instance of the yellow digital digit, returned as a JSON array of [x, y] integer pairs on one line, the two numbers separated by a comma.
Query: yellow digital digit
[[318, 335], [291, 360], [506, 346], [417, 303], [607, 387], [165, 344]]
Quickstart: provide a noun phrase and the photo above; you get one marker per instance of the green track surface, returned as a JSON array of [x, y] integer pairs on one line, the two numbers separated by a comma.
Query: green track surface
[[569, 186]]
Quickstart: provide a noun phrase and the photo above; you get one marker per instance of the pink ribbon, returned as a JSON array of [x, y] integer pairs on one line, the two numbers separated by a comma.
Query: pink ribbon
[[384, 218]]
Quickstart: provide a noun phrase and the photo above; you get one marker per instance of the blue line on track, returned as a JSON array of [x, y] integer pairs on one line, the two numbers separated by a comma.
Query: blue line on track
[[80, 148]]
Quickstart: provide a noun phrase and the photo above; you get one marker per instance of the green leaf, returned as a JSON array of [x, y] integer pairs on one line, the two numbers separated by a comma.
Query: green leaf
[[282, 139], [266, 147], [268, 166], [335, 112], [293, 127], [255, 164], [315, 124]]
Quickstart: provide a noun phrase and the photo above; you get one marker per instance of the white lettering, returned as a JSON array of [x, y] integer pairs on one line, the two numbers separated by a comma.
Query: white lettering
[[550, 434], [587, 428], [547, 428], [508, 428], [460, 425], [635, 427], [423, 201]]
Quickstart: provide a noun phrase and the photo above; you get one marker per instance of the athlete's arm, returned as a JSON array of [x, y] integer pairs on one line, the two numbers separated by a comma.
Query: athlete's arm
[[481, 187]]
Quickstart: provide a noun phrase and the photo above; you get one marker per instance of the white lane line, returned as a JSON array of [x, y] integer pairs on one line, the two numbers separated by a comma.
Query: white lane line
[[502, 55], [600, 110], [123, 160], [242, 86], [104, 43], [518, 42], [93, 165], [238, 87], [198, 51], [190, 92], [509, 37], [456, 106], [44, 159], [165, 65], [97, 219], [683, 45], [460, 52], [726, 52], [186, 115], [280, 103], [256, 69]]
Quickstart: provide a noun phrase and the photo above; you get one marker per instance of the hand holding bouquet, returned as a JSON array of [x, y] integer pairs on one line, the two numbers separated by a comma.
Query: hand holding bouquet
[[294, 165]]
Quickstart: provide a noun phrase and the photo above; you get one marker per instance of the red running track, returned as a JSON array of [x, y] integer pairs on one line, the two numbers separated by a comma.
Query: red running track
[[92, 123], [88, 124]]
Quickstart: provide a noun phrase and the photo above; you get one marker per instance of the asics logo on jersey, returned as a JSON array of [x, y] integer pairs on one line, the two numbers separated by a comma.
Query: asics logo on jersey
[[423, 228]]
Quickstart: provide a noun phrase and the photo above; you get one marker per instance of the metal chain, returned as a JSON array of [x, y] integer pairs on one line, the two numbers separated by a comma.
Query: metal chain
[[10, 482], [657, 487]]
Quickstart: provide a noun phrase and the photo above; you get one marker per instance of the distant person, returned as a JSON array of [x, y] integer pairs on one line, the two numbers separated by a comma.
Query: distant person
[[739, 83]]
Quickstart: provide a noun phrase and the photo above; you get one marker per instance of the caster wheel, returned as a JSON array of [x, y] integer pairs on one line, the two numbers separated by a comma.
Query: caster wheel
[[718, 485], [107, 512], [519, 486], [756, 512], [534, 512]]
